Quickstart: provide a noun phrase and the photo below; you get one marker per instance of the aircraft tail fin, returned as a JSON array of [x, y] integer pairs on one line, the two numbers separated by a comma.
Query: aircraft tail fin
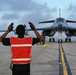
[[59, 13]]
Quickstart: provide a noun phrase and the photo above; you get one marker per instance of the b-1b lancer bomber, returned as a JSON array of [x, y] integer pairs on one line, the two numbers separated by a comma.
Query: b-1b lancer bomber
[[59, 25]]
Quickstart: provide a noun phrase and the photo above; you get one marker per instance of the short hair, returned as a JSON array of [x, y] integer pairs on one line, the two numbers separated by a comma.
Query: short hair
[[20, 30]]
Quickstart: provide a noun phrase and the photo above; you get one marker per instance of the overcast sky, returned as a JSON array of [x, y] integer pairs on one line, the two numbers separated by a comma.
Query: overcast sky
[[24, 11]]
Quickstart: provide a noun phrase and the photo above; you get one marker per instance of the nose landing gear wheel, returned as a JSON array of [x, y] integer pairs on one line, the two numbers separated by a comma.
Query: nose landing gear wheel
[[60, 41]]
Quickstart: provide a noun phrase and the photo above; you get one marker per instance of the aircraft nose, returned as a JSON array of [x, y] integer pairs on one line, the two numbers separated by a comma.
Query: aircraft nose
[[59, 25]]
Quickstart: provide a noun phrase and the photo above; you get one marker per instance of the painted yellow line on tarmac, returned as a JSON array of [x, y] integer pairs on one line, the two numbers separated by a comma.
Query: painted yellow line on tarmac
[[46, 44], [63, 61], [38, 43]]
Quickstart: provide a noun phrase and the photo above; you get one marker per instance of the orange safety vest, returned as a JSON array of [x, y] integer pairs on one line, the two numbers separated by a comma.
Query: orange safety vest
[[21, 50]]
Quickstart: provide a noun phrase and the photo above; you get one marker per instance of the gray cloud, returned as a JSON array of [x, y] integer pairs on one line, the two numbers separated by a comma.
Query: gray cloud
[[10, 16], [21, 5], [36, 17], [25, 11], [71, 12], [3, 26], [72, 16], [15, 5], [72, 8], [35, 11]]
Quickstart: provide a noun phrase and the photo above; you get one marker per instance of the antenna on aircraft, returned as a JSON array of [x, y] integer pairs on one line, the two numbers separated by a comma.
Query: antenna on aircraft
[[59, 12]]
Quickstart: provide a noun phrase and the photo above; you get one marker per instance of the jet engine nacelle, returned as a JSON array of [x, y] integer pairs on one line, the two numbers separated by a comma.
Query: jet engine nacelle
[[71, 33], [47, 33]]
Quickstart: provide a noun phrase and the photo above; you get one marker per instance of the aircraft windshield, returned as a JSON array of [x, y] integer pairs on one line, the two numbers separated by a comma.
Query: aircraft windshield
[[60, 20]]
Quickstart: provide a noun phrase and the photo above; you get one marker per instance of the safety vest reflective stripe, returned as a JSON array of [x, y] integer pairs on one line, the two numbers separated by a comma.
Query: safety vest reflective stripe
[[21, 59], [20, 45]]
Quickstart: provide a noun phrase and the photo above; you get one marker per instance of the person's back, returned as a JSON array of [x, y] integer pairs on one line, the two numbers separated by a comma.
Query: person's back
[[21, 49], [21, 55]]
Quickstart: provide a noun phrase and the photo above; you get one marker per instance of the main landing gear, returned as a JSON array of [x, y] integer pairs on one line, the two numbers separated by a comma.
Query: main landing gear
[[60, 41], [51, 39], [67, 39]]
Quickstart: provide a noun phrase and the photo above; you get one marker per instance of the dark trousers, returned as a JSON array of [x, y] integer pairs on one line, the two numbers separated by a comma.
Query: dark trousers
[[21, 69]]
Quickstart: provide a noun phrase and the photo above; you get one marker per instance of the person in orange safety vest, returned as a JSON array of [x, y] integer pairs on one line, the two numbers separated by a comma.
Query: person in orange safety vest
[[21, 49]]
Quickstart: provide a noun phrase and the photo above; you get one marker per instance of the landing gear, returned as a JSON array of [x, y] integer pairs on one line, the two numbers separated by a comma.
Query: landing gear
[[60, 41], [60, 36], [67, 39], [51, 39]]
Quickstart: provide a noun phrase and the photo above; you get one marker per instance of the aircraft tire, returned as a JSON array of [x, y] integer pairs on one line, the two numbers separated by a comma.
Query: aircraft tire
[[69, 39], [49, 39], [60, 41], [53, 39], [65, 39]]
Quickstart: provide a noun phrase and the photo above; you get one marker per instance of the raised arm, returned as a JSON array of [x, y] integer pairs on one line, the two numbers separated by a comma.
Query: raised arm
[[10, 27], [35, 31]]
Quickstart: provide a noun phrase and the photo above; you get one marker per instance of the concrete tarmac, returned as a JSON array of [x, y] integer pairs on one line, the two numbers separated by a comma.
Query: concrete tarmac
[[45, 59]]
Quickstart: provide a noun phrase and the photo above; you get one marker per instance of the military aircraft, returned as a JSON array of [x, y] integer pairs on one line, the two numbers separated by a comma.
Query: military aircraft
[[59, 25]]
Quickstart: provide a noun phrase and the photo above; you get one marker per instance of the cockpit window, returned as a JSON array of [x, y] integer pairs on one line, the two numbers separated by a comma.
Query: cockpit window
[[60, 20]]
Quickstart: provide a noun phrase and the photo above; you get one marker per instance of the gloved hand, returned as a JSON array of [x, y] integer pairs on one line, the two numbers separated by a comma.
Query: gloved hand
[[32, 26], [10, 27]]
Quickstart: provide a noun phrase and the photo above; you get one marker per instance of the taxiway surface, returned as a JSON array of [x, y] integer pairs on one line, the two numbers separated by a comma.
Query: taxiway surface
[[45, 59]]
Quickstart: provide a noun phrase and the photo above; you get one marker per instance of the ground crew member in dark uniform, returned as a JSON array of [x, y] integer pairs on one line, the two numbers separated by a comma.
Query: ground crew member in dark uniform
[[21, 49]]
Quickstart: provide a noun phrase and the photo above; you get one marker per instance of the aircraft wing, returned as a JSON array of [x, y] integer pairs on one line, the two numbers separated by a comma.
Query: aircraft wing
[[51, 21], [47, 28], [70, 27], [4, 30], [71, 31], [70, 21]]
